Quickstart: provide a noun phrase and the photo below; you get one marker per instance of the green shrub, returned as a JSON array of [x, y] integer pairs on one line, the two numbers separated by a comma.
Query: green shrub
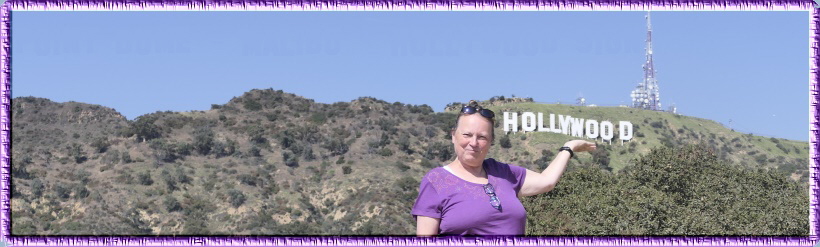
[[781, 147], [386, 152], [100, 144], [255, 152], [144, 178], [23, 227], [19, 168], [75, 152], [171, 204], [256, 134], [247, 179], [126, 157], [236, 198], [401, 166], [308, 153], [505, 141], [170, 181], [37, 188], [290, 159], [271, 117], [761, 159], [182, 176], [318, 118], [62, 191], [428, 163], [438, 151], [111, 158], [220, 149], [80, 191], [145, 129], [252, 105], [404, 144], [183, 149], [203, 141], [125, 178], [163, 151], [600, 157]]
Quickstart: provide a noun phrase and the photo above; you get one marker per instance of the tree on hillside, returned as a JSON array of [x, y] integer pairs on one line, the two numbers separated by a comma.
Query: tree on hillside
[[145, 129], [163, 151], [203, 140], [100, 144]]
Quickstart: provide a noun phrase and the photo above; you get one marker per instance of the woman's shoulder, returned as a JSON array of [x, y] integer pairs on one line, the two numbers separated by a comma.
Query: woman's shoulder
[[493, 164], [434, 173], [436, 178], [490, 162], [435, 169]]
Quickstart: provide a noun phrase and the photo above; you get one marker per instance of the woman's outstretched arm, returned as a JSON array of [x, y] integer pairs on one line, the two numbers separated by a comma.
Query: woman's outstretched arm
[[538, 183]]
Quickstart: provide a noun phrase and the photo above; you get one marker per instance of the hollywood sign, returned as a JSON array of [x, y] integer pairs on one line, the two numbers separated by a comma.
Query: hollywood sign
[[568, 125]]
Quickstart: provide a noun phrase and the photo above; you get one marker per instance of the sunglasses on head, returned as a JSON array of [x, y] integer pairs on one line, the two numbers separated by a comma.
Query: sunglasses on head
[[473, 109]]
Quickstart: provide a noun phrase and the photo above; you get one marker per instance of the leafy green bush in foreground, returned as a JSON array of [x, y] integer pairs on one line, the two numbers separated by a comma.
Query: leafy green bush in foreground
[[682, 191]]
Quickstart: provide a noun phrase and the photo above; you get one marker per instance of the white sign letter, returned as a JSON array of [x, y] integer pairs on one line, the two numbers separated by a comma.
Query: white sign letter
[[565, 123], [528, 121], [510, 120], [577, 127], [592, 129], [607, 130], [552, 124], [625, 128], [541, 123]]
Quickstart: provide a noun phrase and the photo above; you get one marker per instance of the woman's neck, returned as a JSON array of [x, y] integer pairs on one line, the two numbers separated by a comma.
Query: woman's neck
[[475, 170]]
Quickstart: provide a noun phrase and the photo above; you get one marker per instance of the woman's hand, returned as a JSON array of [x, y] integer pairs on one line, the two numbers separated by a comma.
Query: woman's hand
[[580, 146]]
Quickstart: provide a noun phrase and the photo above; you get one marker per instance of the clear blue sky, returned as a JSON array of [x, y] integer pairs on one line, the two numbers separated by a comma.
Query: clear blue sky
[[750, 67]]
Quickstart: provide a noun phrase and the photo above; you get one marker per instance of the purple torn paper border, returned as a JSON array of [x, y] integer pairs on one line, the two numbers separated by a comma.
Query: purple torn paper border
[[412, 5]]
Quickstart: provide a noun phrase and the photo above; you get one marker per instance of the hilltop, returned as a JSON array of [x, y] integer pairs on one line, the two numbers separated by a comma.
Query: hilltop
[[269, 162]]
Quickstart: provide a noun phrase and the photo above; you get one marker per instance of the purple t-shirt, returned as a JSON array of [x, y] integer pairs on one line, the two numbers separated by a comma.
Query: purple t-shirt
[[464, 208]]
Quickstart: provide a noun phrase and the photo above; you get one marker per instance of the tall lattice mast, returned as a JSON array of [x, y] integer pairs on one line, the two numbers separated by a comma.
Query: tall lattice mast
[[646, 94]]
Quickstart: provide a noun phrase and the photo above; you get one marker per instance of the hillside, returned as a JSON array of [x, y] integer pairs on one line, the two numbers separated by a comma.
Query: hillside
[[274, 163]]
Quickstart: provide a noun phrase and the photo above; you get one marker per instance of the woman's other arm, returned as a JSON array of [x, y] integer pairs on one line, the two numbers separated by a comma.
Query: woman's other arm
[[426, 226]]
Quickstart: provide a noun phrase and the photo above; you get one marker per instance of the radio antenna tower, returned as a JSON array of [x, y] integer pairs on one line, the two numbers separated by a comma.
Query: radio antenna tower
[[646, 94]]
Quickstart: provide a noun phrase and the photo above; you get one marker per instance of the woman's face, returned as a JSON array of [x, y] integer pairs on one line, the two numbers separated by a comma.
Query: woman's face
[[472, 139]]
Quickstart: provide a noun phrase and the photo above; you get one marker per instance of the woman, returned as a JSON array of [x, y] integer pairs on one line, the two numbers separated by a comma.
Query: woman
[[474, 196]]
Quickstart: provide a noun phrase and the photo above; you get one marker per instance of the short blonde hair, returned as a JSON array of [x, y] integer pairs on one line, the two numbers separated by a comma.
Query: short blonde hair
[[475, 104]]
